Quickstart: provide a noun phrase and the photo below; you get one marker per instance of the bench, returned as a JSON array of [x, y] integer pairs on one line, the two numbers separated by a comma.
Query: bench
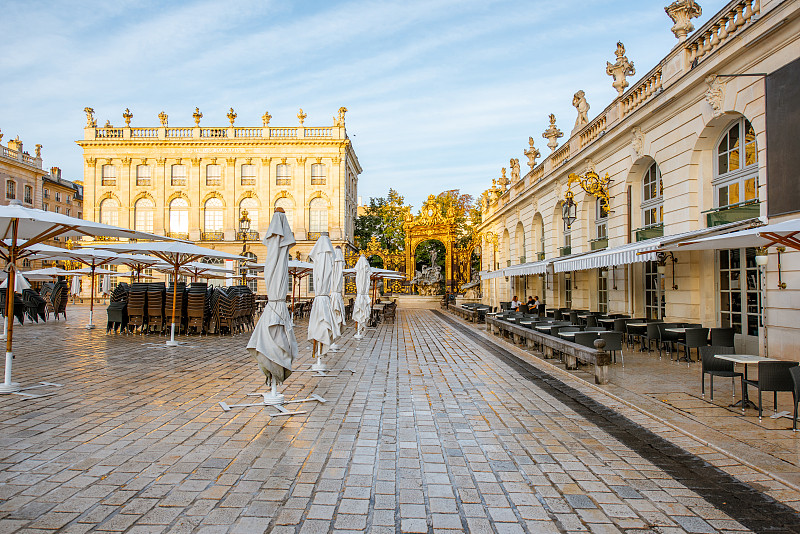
[[468, 314], [550, 345]]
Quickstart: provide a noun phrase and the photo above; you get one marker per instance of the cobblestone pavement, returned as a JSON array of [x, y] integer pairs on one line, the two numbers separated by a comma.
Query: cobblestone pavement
[[439, 429]]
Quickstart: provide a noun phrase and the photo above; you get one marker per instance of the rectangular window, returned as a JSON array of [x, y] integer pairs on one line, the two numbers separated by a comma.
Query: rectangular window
[[654, 302], [11, 189], [144, 220], [318, 174], [283, 175], [58, 209], [178, 175], [248, 175], [46, 193], [46, 206], [58, 196], [143, 175], [568, 290], [28, 194], [739, 291], [602, 291], [213, 175], [68, 214], [109, 175]]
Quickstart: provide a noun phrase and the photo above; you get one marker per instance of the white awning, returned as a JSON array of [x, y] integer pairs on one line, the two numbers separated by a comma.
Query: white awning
[[641, 251], [534, 267], [488, 275], [782, 233]]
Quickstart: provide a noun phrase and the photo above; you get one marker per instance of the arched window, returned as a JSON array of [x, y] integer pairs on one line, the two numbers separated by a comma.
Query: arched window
[[109, 212], [212, 215], [143, 215], [251, 205], [318, 216], [143, 175], [736, 177], [652, 197], [601, 225], [519, 234], [318, 174], [288, 207], [179, 217]]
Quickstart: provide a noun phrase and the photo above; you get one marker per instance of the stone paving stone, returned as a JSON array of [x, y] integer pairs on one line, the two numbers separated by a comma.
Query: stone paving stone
[[431, 433]]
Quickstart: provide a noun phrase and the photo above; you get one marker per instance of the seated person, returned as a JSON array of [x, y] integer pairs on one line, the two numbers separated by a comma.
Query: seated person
[[531, 304], [515, 303]]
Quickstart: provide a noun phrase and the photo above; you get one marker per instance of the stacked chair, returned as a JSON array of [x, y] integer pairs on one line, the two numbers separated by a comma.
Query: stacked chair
[[196, 306], [56, 296], [180, 307], [137, 307], [155, 306], [35, 305], [19, 306], [118, 308]]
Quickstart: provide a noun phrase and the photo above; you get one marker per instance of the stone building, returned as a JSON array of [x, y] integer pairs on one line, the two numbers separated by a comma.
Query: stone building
[[195, 182], [21, 174], [696, 146], [60, 195]]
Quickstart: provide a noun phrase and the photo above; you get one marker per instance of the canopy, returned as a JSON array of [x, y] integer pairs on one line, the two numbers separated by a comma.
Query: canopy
[[88, 270], [273, 344], [49, 272], [20, 284], [781, 234], [321, 325], [361, 308]]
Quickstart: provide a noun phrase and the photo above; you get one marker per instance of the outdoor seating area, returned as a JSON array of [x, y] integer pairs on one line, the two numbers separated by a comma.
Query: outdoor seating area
[[690, 343], [38, 305], [146, 308]]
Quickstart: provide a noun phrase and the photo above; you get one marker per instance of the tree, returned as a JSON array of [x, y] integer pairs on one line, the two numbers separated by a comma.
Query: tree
[[384, 220], [467, 213]]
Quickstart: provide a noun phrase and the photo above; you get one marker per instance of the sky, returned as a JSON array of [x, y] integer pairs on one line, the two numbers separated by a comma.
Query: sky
[[440, 93]]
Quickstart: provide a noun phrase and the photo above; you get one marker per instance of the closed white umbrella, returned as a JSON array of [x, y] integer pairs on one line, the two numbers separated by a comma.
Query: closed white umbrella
[[337, 302], [321, 324], [273, 344], [361, 308], [105, 287], [75, 288], [18, 224]]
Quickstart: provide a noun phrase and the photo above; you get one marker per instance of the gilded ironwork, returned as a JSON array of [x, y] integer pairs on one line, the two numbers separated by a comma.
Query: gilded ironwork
[[593, 184]]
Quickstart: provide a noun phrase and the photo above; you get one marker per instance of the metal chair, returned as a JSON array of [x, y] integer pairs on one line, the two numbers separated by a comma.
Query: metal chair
[[795, 373], [613, 344], [666, 339], [695, 338], [573, 317], [651, 335], [772, 376], [591, 321], [586, 338], [716, 367]]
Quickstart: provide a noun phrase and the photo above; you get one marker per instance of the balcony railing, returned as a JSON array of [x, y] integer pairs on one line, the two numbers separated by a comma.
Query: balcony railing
[[108, 182], [213, 132], [599, 244], [212, 236], [178, 181], [105, 238], [248, 181], [522, 259], [648, 232], [178, 235], [313, 236], [283, 181], [733, 213], [144, 182], [564, 251], [214, 181], [251, 235]]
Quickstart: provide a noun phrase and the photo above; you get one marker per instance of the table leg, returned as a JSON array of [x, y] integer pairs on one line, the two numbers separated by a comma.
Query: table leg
[[745, 402]]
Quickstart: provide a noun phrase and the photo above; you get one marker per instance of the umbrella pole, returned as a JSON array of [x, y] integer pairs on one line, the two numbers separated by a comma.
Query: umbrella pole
[[172, 342], [8, 386], [91, 302]]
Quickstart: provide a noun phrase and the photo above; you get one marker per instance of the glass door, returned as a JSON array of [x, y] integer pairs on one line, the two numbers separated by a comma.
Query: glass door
[[740, 296], [654, 302]]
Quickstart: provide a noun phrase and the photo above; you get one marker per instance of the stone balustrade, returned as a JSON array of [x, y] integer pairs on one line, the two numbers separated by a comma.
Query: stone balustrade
[[716, 32], [641, 91]]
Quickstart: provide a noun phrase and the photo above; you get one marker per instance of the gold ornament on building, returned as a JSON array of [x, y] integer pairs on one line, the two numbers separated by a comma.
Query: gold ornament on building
[[301, 116], [38, 151], [163, 117], [231, 116], [265, 118], [592, 184], [90, 120], [339, 121], [197, 116], [127, 115]]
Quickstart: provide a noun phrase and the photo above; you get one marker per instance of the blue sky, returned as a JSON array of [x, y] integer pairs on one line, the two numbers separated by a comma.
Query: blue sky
[[441, 93]]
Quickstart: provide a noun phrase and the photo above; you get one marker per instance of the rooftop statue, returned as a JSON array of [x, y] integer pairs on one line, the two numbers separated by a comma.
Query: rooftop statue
[[580, 103]]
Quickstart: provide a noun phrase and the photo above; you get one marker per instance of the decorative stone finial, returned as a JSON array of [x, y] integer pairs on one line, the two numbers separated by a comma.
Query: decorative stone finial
[[38, 151], [90, 120], [503, 181], [265, 118], [108, 124], [301, 116], [231, 116], [580, 103], [127, 115], [532, 153], [514, 165], [164, 118], [339, 121], [552, 134], [682, 12], [197, 116], [620, 69]]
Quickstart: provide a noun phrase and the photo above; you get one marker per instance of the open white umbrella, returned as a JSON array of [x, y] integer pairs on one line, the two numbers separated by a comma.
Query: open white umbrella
[[337, 302], [20, 229], [177, 254], [273, 344], [361, 307], [321, 324], [782, 234], [20, 283]]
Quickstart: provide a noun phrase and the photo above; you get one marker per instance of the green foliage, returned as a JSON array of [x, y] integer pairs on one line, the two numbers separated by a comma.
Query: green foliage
[[384, 220], [466, 213]]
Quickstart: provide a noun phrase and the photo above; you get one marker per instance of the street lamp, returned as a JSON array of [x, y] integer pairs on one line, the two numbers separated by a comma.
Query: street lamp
[[244, 228], [569, 211]]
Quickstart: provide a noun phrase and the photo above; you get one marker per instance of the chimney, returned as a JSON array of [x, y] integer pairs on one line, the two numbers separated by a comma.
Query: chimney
[[55, 172]]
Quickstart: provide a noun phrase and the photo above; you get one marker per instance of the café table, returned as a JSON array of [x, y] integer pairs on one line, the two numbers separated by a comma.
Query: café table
[[745, 359], [606, 321], [377, 311], [639, 329]]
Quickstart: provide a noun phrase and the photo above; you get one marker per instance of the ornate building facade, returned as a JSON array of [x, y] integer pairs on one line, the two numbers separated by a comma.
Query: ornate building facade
[[195, 182], [686, 150]]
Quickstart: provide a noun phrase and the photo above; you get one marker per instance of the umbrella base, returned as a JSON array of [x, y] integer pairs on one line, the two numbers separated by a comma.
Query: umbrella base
[[282, 412], [90, 327], [11, 387], [172, 343], [270, 399], [358, 336], [319, 367]]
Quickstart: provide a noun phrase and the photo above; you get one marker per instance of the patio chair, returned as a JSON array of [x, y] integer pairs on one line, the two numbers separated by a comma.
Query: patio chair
[[772, 376], [694, 339], [650, 335], [619, 325], [586, 338], [667, 339], [573, 317], [795, 372], [613, 344], [722, 337], [715, 367], [594, 329], [591, 321]]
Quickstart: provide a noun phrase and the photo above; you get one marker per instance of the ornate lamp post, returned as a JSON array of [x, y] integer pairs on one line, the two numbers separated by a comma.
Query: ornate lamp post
[[569, 211], [244, 228]]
